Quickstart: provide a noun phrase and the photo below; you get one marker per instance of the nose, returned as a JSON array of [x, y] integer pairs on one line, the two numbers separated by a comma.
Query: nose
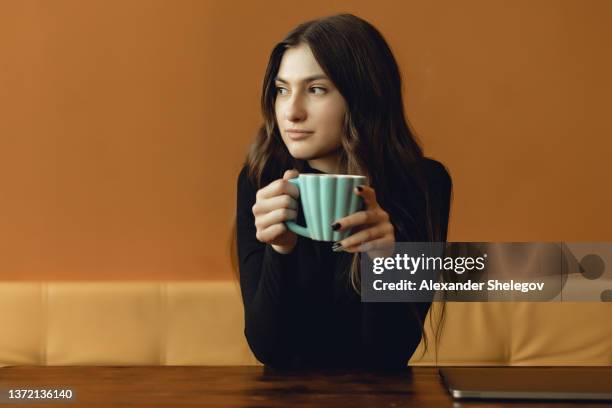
[[295, 111]]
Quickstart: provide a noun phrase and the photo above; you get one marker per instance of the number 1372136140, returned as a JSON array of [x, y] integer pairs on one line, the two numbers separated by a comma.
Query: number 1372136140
[[36, 394]]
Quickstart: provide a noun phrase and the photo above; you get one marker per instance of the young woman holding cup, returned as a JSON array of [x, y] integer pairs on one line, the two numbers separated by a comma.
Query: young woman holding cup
[[332, 104]]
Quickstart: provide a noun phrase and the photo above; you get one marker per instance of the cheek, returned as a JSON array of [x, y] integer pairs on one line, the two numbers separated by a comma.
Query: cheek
[[331, 119], [277, 110]]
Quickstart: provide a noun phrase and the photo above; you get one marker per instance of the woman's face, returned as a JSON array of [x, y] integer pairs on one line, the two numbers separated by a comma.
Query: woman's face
[[307, 101]]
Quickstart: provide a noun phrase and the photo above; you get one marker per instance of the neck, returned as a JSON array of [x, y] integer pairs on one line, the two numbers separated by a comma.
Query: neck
[[328, 164]]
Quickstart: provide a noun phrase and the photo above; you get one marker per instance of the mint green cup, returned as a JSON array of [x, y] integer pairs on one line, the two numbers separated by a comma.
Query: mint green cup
[[324, 199]]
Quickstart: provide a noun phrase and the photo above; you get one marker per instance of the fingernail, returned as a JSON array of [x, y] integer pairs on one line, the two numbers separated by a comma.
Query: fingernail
[[336, 226], [338, 248], [336, 244]]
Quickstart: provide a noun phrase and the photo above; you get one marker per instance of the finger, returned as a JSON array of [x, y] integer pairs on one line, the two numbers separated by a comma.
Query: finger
[[385, 243], [368, 234], [368, 194], [291, 173], [278, 187], [271, 232], [274, 217], [270, 204], [374, 216], [379, 247]]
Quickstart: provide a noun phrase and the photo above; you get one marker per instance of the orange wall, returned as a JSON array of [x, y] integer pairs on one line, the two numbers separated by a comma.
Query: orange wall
[[124, 124]]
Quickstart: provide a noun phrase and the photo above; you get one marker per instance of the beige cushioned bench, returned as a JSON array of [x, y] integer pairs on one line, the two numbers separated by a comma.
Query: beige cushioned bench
[[201, 323]]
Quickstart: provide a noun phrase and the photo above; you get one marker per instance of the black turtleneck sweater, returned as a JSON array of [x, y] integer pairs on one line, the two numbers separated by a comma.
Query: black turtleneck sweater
[[300, 309]]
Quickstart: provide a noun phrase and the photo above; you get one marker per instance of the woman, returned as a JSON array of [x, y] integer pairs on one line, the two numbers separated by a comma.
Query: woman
[[332, 103]]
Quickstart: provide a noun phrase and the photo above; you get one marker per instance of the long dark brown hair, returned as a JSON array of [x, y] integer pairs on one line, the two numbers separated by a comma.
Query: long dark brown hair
[[377, 141]]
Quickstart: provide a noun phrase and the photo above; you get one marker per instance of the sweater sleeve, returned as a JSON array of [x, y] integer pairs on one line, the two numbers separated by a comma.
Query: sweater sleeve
[[263, 283], [392, 331]]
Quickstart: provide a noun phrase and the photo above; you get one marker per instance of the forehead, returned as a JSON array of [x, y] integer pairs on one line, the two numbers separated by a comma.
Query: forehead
[[298, 62]]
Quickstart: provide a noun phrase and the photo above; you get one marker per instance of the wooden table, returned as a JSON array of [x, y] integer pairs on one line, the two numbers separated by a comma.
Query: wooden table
[[239, 387]]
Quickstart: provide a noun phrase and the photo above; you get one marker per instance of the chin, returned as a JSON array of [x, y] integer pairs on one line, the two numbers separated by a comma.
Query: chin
[[302, 154]]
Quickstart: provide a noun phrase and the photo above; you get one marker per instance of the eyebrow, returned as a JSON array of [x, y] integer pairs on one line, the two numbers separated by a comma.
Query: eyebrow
[[307, 79]]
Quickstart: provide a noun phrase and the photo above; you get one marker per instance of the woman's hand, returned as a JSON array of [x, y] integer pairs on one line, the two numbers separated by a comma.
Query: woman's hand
[[373, 231], [274, 204]]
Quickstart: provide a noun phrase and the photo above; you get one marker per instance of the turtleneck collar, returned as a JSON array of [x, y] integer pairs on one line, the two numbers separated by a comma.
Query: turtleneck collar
[[309, 169]]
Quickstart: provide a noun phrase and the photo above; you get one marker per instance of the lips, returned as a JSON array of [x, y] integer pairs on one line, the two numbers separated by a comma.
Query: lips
[[298, 134]]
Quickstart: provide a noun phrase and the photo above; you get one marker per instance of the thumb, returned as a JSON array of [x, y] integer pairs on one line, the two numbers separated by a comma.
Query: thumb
[[289, 174]]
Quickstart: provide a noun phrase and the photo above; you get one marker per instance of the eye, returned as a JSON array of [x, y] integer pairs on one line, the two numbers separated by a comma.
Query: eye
[[280, 90], [318, 88]]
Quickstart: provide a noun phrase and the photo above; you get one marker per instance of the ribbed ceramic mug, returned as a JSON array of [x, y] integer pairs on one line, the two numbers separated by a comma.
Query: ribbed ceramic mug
[[325, 198]]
